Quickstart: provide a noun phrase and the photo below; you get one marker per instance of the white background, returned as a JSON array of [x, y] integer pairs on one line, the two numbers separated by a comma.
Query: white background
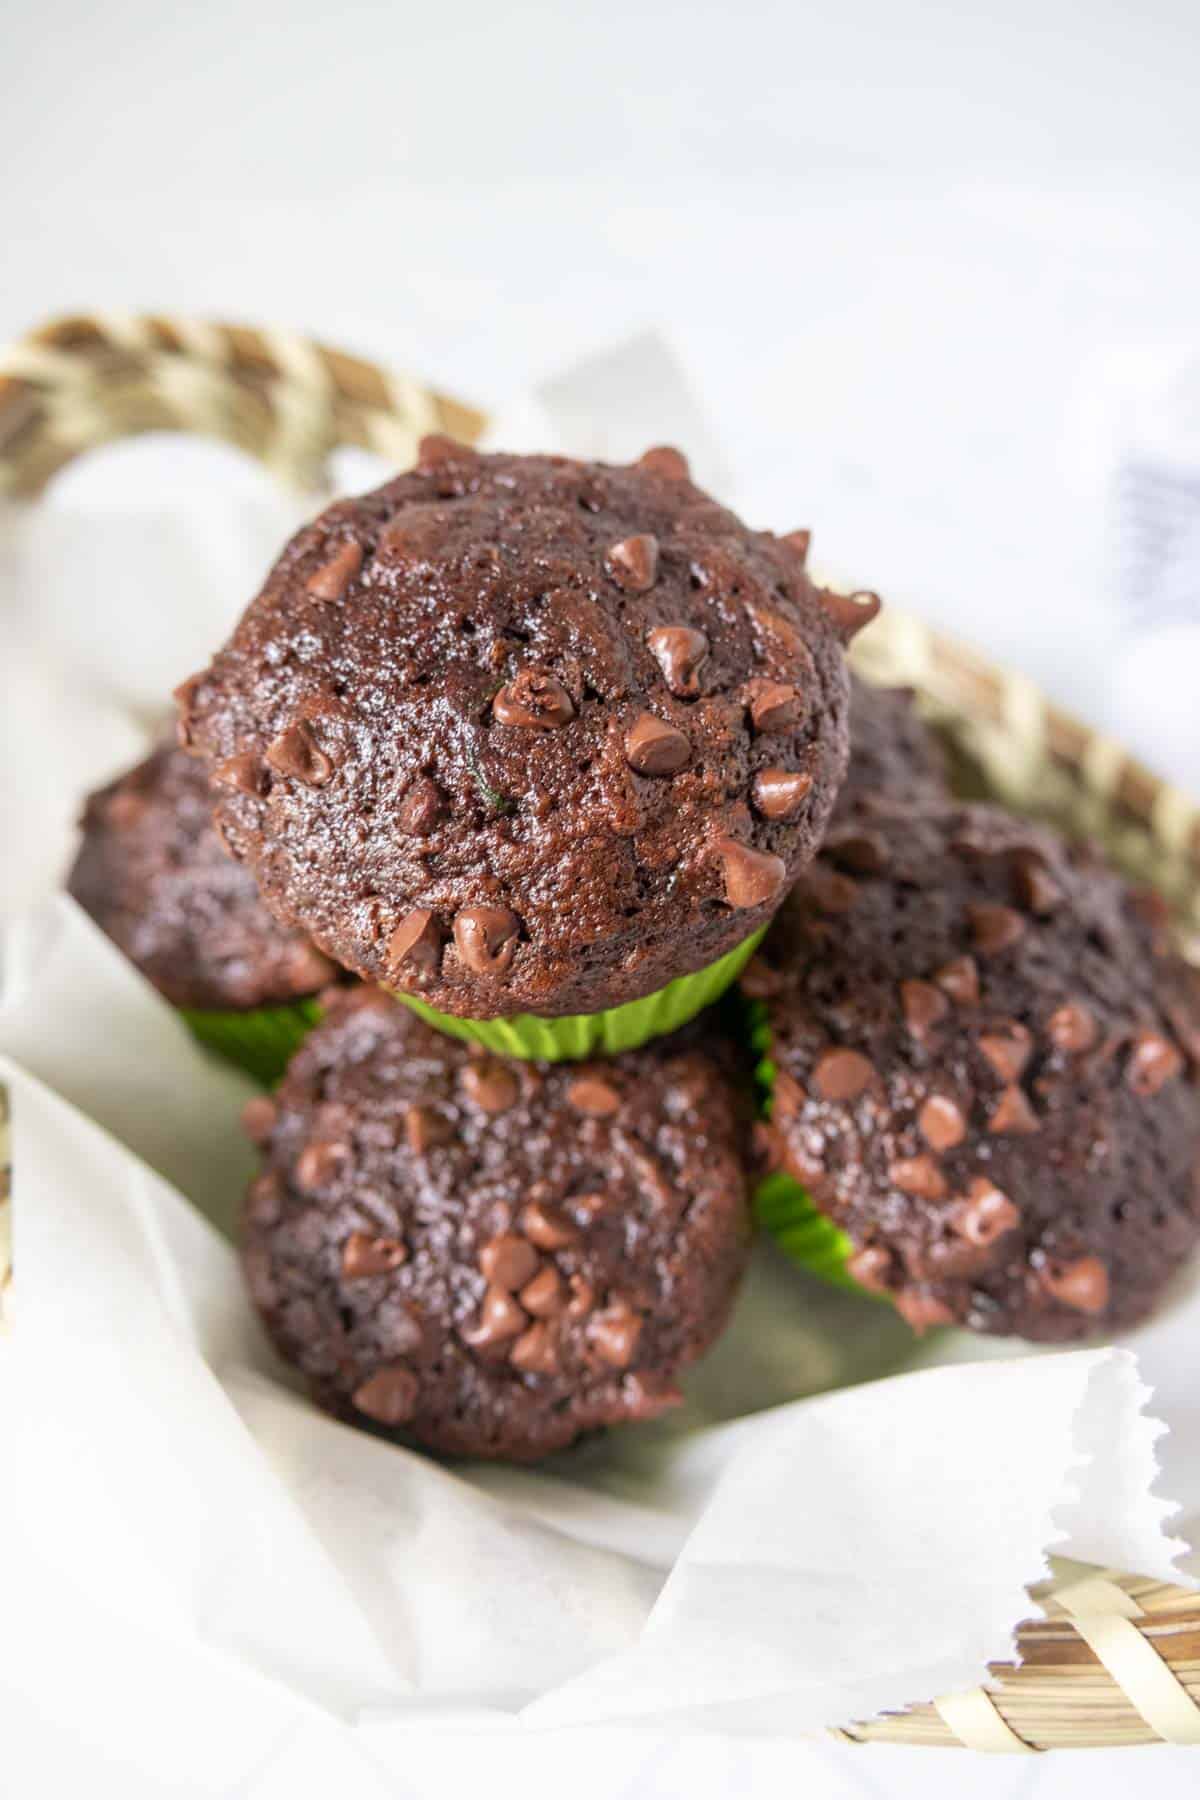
[[930, 270]]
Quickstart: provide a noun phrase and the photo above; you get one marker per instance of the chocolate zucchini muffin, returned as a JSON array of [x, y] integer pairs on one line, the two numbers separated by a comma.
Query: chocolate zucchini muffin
[[526, 735], [894, 757], [154, 875], [985, 1057], [490, 1257]]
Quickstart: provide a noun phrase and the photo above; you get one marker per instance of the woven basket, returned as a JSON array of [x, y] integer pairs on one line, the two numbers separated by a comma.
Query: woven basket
[[1112, 1659]]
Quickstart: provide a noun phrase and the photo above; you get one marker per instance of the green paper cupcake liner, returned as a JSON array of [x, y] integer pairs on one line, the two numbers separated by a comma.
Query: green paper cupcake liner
[[782, 1206], [598, 1034], [261, 1042]]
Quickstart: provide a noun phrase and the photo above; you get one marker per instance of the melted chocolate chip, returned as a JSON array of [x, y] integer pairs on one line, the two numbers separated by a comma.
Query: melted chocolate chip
[[924, 1006], [1012, 1115], [1153, 1061], [589, 1094], [960, 979], [1007, 1047], [918, 1175], [486, 938], [798, 542], [921, 1310], [614, 1332], [679, 652], [534, 699], [862, 852], [499, 1318], [780, 793], [244, 774], [508, 1261], [534, 1352], [751, 877], [318, 1164], [633, 563], [416, 941], [332, 579], [1082, 1285], [492, 1086], [842, 1074], [986, 1214], [364, 1256], [421, 807], [548, 1226], [258, 1118], [849, 612], [870, 1267], [1072, 1028], [772, 705], [663, 459], [425, 1127], [942, 1122], [389, 1395], [296, 753], [994, 928], [545, 1295], [1035, 887], [653, 747]]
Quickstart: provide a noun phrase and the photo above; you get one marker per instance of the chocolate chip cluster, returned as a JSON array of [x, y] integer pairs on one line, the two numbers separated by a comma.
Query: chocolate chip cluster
[[981, 1076]]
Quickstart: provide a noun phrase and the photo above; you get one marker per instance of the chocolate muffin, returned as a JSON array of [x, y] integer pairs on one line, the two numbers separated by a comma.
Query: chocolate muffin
[[522, 734], [894, 757], [154, 875], [491, 1258], [982, 1043]]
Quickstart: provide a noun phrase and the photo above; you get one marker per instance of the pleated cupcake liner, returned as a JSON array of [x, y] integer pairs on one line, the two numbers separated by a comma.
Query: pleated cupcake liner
[[261, 1042]]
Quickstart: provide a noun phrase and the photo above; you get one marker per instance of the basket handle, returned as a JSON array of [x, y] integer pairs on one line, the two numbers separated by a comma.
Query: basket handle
[[288, 400]]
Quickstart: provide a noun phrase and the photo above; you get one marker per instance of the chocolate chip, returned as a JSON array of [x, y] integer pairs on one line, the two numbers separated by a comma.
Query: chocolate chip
[[1153, 1061], [492, 1087], [633, 563], [1072, 1029], [842, 1074], [486, 938], [653, 747], [645, 1402], [863, 852], [534, 698], [508, 1261], [264, 1199], [772, 705], [545, 1295], [614, 1334], [499, 1318], [829, 891], [421, 808], [849, 612], [331, 580], [364, 1256], [244, 774], [941, 1122], [589, 1094], [1035, 887], [924, 1006], [535, 1352], [1081, 1285], [780, 793], [1007, 1047], [751, 877], [921, 1310], [319, 1164], [663, 460], [583, 1297], [798, 543], [435, 448], [870, 1268], [547, 1226], [258, 1118], [918, 1175], [424, 1127], [295, 752], [679, 652], [389, 1396], [960, 979], [985, 1215], [417, 940], [994, 928], [1012, 1115]]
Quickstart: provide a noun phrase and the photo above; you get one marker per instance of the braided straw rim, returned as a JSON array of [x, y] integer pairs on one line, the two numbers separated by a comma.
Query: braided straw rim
[[1114, 1658]]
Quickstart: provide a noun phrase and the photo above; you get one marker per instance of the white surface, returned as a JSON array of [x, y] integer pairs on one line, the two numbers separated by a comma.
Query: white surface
[[908, 255]]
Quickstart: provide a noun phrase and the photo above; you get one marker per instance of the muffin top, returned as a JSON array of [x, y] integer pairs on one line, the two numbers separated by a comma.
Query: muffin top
[[983, 1045], [894, 757], [524, 734], [493, 1257], [152, 872]]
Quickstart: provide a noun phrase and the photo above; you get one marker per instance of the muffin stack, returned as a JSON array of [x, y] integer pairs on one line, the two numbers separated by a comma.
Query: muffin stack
[[537, 750]]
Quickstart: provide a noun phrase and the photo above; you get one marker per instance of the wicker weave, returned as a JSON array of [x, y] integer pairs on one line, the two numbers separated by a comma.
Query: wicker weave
[[1113, 1659]]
